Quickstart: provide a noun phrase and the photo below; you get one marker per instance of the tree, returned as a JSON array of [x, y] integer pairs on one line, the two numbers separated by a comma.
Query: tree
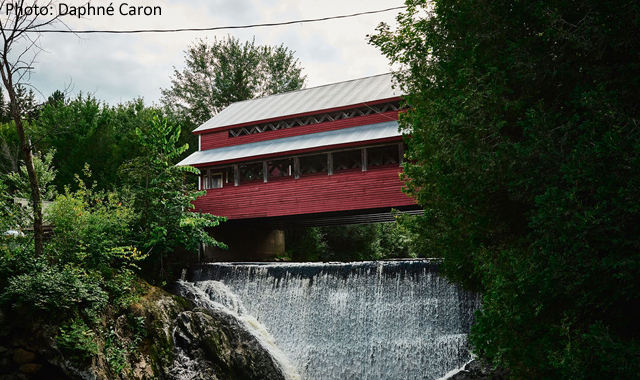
[[9, 148], [524, 152], [19, 31], [227, 71], [90, 132], [162, 199], [45, 172]]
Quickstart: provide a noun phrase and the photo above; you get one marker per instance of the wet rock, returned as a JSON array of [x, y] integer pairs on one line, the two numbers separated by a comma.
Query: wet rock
[[477, 370], [178, 338], [219, 346], [5, 365], [30, 368], [22, 356]]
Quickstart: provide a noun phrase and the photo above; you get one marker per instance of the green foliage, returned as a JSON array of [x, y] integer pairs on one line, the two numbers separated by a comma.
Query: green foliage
[[87, 267], [45, 172], [118, 348], [102, 232], [162, 200], [9, 148], [78, 340], [87, 131], [8, 211], [92, 229], [524, 153], [16, 257], [27, 104], [115, 352], [227, 71], [57, 291], [348, 243], [123, 287]]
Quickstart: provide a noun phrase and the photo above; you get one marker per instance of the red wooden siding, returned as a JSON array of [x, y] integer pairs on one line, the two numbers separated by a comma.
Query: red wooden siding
[[214, 140], [343, 191], [219, 139]]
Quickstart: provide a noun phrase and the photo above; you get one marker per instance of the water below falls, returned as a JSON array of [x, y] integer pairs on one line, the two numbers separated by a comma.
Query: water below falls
[[393, 320]]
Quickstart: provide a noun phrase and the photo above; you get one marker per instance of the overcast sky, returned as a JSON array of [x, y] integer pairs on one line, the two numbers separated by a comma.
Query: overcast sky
[[118, 68]]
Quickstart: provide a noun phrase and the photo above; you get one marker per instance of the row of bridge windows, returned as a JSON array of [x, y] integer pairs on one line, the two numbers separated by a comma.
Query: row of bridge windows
[[295, 167]]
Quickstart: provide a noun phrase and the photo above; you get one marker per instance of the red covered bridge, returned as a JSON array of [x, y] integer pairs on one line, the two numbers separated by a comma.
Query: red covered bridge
[[323, 155]]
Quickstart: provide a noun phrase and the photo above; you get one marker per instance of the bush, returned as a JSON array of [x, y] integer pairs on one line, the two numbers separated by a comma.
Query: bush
[[78, 340], [58, 292], [92, 229], [524, 150]]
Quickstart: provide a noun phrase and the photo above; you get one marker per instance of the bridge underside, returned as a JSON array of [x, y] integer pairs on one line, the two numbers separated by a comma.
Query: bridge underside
[[262, 239], [374, 215]]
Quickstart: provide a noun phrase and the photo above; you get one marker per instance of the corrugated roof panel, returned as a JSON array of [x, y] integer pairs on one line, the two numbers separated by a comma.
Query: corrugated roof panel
[[288, 144], [335, 95]]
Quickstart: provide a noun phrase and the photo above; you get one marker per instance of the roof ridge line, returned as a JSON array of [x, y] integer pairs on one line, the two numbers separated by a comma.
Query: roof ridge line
[[311, 88]]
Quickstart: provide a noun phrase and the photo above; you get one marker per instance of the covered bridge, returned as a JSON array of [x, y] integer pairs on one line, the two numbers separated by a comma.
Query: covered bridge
[[317, 156]]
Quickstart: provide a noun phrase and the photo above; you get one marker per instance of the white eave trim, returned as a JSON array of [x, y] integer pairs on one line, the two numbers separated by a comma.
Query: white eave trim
[[363, 133]]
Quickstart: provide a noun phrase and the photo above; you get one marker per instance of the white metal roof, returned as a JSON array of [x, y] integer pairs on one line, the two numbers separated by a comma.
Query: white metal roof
[[288, 144], [330, 96]]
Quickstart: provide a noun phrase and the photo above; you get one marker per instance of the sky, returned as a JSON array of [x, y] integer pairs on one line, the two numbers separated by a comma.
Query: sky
[[118, 68]]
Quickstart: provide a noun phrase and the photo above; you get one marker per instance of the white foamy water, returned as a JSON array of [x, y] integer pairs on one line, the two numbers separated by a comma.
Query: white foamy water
[[215, 295], [392, 320]]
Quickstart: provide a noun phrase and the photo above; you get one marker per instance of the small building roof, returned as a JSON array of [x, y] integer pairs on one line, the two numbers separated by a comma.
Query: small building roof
[[363, 133], [336, 95]]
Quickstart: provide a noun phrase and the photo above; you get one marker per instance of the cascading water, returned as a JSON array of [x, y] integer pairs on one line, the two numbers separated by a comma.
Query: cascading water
[[215, 296], [393, 320]]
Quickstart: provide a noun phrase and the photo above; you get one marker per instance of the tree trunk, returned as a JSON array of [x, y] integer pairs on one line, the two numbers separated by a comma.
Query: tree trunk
[[36, 199]]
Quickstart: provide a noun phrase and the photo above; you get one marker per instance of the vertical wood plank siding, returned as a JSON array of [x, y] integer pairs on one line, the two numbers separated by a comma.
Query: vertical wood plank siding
[[342, 191]]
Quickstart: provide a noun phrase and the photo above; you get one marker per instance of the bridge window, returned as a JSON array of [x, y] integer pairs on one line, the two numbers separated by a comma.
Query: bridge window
[[280, 168], [347, 159], [211, 180], [229, 176], [216, 178], [216, 181], [383, 155], [250, 172], [316, 163]]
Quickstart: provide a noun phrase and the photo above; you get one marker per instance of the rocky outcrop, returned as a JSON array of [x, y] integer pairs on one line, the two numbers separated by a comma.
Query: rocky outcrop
[[216, 346], [477, 370], [179, 342]]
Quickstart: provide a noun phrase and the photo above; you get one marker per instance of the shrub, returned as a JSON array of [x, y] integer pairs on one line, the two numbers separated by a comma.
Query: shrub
[[77, 340], [58, 291]]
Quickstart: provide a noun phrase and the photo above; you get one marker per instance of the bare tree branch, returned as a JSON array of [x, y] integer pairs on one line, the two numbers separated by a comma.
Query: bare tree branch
[[16, 28]]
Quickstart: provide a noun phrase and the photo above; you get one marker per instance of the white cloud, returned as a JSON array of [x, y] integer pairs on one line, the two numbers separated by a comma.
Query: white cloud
[[121, 67]]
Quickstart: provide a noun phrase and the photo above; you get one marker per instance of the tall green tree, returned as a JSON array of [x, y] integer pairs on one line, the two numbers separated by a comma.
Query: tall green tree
[[524, 151], [225, 71], [162, 198], [87, 131], [10, 155]]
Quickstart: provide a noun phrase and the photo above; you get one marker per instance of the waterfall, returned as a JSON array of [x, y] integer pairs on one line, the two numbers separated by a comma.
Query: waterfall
[[391, 320], [215, 296]]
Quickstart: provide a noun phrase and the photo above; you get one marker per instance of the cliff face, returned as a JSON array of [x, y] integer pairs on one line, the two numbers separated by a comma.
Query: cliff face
[[172, 340]]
